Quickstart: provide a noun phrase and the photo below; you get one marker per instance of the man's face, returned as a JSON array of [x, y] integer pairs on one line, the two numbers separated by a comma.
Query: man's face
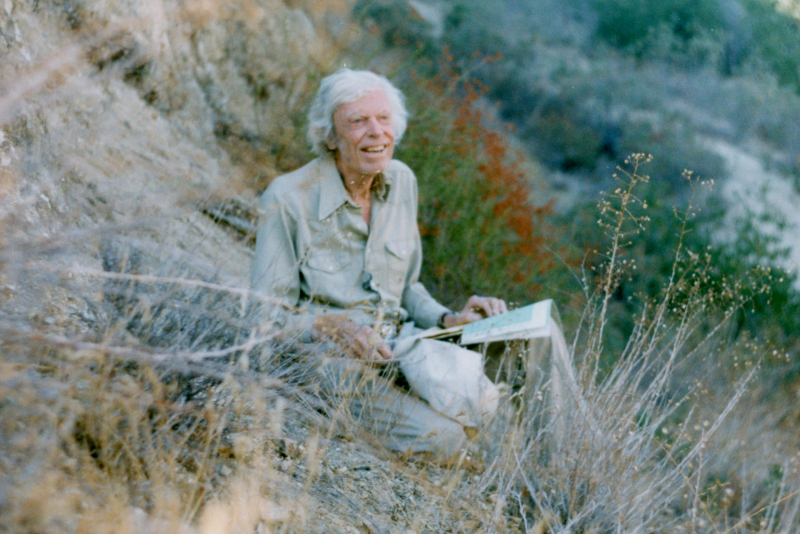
[[365, 135]]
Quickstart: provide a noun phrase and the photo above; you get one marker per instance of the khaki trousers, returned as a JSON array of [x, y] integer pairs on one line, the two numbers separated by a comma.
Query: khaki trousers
[[539, 369], [400, 420]]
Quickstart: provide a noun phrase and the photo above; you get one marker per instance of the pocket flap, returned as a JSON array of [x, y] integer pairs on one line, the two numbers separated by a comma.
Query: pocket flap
[[401, 248], [327, 261]]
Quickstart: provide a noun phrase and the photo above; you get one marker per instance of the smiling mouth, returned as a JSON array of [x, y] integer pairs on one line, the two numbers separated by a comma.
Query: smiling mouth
[[374, 149]]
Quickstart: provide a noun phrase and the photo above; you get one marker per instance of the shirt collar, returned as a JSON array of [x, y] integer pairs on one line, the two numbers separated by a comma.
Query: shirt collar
[[381, 186], [333, 193]]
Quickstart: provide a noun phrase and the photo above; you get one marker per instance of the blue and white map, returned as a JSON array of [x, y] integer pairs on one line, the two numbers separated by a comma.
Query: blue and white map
[[523, 323]]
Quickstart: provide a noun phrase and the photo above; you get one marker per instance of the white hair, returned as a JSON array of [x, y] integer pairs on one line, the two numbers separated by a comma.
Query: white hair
[[345, 86]]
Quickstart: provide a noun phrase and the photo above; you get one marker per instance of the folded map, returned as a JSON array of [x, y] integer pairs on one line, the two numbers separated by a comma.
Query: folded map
[[523, 323]]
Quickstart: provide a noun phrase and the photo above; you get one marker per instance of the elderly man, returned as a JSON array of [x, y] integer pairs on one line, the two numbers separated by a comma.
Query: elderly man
[[339, 238]]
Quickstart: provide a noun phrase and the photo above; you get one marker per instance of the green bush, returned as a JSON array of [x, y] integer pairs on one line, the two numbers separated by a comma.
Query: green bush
[[397, 22], [629, 24], [776, 40], [467, 35], [672, 141], [482, 231], [562, 139], [677, 243], [736, 36]]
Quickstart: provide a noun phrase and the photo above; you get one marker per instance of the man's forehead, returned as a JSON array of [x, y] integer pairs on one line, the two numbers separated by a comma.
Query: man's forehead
[[374, 99]]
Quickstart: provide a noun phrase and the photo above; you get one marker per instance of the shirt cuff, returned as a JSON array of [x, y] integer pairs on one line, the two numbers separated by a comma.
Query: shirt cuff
[[428, 313]]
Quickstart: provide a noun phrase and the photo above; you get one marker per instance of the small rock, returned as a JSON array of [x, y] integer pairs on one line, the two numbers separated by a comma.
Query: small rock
[[289, 448]]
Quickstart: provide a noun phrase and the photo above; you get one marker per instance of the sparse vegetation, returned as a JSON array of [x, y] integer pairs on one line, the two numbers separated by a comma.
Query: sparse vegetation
[[201, 431], [581, 107], [141, 389]]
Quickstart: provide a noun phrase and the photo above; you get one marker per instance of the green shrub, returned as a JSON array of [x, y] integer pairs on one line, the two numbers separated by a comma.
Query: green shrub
[[672, 141], [630, 23], [397, 22], [678, 244], [706, 48], [735, 36], [624, 22], [686, 33], [482, 231], [776, 40], [468, 35], [562, 139]]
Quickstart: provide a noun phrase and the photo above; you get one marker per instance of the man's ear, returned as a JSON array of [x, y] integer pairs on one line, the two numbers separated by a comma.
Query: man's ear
[[332, 142]]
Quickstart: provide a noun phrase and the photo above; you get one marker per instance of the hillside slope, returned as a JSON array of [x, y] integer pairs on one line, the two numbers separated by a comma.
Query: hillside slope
[[140, 391], [137, 393], [118, 120], [133, 140]]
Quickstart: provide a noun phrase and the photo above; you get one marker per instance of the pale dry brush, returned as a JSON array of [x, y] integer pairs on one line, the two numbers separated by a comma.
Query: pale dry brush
[[129, 396], [149, 419], [639, 461], [165, 427]]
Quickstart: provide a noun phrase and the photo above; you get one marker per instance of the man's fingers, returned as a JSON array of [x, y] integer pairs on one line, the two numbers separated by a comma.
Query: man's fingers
[[362, 342], [484, 306], [379, 350], [383, 352], [475, 305], [359, 340], [479, 306], [498, 306], [503, 306], [371, 345]]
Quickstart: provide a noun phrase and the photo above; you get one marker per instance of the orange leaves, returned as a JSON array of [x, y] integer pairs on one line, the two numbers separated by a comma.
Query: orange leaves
[[482, 233]]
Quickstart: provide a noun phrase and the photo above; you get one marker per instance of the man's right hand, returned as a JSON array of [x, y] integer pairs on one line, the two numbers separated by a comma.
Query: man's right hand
[[477, 308], [356, 339]]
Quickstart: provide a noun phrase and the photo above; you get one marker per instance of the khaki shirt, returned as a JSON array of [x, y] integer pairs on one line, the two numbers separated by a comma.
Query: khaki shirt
[[314, 248]]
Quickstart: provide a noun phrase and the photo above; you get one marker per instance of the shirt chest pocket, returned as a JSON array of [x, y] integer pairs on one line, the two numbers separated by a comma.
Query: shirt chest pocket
[[327, 271], [398, 257]]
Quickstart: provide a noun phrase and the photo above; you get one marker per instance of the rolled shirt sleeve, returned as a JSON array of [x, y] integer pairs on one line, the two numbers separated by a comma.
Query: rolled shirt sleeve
[[423, 309]]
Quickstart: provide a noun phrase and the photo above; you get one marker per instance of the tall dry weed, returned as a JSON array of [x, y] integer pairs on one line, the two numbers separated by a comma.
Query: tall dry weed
[[634, 452]]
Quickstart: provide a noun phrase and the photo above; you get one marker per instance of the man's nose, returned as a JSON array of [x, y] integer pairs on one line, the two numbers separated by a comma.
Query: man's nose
[[373, 126]]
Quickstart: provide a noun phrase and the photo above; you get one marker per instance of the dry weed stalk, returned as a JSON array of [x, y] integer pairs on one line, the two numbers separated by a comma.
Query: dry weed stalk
[[645, 469], [160, 429], [183, 388]]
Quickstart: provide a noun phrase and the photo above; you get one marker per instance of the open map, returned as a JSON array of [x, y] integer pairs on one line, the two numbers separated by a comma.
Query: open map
[[523, 323]]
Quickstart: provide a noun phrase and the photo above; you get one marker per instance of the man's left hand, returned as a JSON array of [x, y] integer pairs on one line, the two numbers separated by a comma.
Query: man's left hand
[[477, 308]]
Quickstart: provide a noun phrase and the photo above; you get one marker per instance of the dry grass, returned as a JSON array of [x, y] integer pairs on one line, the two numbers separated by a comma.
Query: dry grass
[[655, 454], [141, 390], [180, 409]]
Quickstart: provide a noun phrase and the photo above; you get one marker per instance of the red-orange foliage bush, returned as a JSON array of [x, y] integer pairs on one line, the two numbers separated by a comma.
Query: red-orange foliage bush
[[482, 232]]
